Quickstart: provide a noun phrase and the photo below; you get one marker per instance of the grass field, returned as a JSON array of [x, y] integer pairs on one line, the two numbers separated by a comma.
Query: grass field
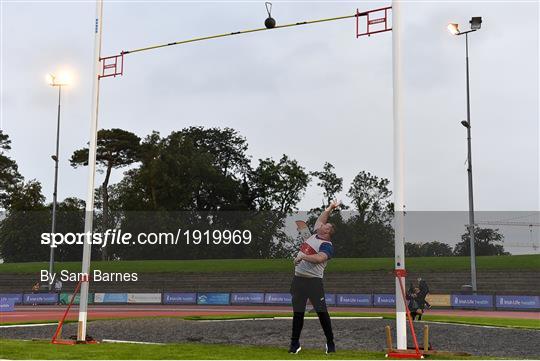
[[12, 349], [444, 264]]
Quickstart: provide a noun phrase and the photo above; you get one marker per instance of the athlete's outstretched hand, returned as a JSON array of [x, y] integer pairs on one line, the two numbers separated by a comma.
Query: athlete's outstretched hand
[[334, 204]]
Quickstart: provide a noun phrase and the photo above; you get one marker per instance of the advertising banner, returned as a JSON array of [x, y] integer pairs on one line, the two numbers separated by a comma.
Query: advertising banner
[[40, 298], [384, 299], [353, 299], [438, 300], [7, 305], [475, 301], [17, 298], [239, 298], [144, 298], [517, 302], [110, 298], [213, 298], [65, 298], [278, 298], [179, 298], [330, 299]]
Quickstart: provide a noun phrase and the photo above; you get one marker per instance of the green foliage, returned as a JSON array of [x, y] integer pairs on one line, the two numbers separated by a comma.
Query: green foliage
[[485, 240], [427, 249], [329, 181], [414, 264], [9, 173], [278, 186], [26, 218], [371, 198], [202, 179], [116, 148], [365, 231]]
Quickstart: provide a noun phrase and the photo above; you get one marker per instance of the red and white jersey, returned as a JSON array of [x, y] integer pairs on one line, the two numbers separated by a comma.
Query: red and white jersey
[[313, 245]]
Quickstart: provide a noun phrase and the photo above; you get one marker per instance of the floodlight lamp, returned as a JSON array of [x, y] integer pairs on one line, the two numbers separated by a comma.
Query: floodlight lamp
[[476, 22], [453, 29]]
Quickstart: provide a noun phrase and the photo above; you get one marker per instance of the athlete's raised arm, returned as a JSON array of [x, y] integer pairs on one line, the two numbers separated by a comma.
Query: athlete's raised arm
[[323, 218]]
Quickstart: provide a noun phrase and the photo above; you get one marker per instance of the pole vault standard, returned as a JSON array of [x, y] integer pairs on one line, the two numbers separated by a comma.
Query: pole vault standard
[[399, 176], [114, 66], [89, 213]]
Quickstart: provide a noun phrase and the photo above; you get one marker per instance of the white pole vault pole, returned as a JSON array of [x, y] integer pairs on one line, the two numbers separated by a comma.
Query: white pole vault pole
[[399, 207], [89, 214]]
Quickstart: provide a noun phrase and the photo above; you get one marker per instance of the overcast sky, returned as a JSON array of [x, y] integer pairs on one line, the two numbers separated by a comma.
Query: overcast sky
[[315, 93]]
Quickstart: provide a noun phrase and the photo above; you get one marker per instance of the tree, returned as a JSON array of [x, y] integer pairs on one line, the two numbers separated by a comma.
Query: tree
[[278, 186], [371, 198], [428, 249], [329, 181], [201, 178], [485, 240], [26, 219], [9, 173], [116, 148]]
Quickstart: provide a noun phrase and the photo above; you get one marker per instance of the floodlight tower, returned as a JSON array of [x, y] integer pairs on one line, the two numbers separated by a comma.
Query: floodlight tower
[[58, 82], [476, 24]]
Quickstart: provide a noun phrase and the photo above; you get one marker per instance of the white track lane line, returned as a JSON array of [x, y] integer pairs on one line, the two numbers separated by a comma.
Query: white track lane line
[[334, 318], [30, 325], [482, 326], [237, 319], [136, 342]]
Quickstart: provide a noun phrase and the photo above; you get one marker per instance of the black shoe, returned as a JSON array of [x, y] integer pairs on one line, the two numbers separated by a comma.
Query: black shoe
[[330, 347], [295, 347]]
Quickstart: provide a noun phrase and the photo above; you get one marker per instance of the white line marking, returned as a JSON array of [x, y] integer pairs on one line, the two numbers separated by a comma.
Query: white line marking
[[136, 342], [483, 326], [237, 319], [30, 325], [335, 318]]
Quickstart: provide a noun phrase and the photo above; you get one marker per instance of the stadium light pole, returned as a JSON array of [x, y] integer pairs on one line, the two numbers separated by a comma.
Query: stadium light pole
[[476, 23], [54, 81]]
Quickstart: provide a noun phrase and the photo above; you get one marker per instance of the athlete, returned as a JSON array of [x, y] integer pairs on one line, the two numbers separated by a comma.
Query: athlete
[[308, 280]]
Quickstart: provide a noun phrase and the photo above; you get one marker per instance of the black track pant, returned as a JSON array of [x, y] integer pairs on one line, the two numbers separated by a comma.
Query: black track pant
[[302, 289]]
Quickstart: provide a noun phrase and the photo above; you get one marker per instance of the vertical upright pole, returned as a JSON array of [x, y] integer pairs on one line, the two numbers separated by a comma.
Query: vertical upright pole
[[89, 214], [469, 172], [399, 207], [55, 189]]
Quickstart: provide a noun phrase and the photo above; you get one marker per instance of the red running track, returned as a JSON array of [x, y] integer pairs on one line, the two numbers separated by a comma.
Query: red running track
[[24, 314]]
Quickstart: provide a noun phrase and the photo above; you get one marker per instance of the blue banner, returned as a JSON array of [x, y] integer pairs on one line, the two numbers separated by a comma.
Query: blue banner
[[110, 298], [179, 298], [7, 305], [40, 298], [475, 301], [384, 299], [354, 299], [239, 298], [213, 298], [278, 298], [17, 298], [330, 299], [517, 302]]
